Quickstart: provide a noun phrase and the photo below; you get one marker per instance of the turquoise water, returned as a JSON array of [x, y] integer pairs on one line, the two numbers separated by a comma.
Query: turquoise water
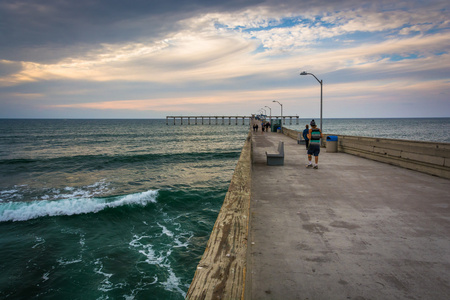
[[123, 209], [108, 209]]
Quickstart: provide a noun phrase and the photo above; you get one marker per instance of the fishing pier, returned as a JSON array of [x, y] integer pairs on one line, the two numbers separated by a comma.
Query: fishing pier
[[223, 120], [372, 222]]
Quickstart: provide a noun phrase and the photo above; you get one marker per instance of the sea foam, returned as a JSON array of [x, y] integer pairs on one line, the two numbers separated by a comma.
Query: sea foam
[[22, 211]]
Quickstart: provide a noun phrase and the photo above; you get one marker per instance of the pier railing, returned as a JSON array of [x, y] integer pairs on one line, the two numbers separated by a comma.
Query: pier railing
[[427, 157], [222, 269]]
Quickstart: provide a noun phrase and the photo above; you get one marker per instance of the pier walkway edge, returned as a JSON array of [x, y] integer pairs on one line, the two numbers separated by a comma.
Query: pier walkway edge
[[354, 229]]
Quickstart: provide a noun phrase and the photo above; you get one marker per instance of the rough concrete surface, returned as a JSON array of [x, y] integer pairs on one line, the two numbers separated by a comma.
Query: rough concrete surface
[[221, 271], [353, 229]]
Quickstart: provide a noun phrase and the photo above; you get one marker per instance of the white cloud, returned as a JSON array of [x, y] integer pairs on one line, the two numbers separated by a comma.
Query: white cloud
[[263, 48]]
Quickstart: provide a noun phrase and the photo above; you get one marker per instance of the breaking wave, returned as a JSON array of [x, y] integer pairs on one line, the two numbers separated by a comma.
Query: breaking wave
[[23, 211]]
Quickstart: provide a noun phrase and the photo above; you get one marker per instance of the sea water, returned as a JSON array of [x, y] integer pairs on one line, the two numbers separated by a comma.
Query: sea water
[[415, 129], [109, 209], [123, 209]]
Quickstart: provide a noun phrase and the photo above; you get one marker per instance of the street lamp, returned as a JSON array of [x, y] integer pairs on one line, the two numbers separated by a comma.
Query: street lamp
[[270, 113], [281, 114], [321, 93], [265, 111]]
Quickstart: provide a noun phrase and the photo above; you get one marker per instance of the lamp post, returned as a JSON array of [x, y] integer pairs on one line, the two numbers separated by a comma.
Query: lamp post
[[270, 114], [281, 113], [321, 93], [265, 111]]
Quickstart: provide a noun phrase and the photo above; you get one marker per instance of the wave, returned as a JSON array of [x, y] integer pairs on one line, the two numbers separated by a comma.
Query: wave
[[23, 211], [96, 162]]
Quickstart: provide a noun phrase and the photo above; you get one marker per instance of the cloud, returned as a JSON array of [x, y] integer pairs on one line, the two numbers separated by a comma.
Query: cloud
[[54, 27], [77, 54], [8, 68], [189, 57]]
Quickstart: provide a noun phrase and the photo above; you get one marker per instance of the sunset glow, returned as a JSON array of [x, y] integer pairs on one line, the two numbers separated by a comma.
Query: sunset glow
[[225, 59]]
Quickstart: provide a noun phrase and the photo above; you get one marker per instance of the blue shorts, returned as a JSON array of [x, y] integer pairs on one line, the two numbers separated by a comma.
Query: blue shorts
[[314, 149]]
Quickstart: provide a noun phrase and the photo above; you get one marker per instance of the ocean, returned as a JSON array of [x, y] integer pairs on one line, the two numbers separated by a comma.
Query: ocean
[[123, 209], [109, 209], [415, 129]]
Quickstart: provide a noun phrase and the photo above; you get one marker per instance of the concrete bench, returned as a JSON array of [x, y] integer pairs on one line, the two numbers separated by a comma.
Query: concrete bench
[[276, 159], [300, 139]]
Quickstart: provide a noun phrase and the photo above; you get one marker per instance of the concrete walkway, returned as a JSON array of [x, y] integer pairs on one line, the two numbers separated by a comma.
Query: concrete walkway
[[353, 229]]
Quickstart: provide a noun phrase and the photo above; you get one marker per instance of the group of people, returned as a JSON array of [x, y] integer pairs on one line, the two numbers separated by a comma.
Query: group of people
[[264, 125], [312, 138]]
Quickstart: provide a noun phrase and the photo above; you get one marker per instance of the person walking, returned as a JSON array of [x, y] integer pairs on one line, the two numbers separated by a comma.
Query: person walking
[[314, 136], [305, 136]]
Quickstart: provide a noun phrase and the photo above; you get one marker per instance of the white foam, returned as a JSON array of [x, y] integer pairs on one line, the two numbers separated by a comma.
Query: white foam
[[63, 262], [39, 241], [142, 243], [7, 194], [165, 230], [22, 211], [96, 189], [46, 277], [145, 248], [105, 285], [90, 191], [180, 244], [173, 283]]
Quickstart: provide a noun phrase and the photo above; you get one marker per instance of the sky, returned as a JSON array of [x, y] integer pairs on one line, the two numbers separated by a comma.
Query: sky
[[152, 59]]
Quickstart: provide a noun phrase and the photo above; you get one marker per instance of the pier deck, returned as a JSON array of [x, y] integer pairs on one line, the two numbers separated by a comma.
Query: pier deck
[[223, 120], [353, 229]]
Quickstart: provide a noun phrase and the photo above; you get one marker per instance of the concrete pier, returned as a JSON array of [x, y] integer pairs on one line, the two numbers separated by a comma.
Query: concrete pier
[[353, 229], [223, 120]]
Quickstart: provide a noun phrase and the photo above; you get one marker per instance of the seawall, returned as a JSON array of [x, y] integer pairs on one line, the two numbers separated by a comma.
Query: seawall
[[427, 157], [221, 272]]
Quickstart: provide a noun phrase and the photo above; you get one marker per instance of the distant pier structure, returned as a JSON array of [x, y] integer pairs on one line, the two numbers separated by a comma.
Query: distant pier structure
[[221, 120]]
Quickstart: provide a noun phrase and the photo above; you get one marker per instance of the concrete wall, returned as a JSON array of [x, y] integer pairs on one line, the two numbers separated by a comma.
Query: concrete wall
[[427, 157], [295, 135], [291, 133], [222, 269]]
